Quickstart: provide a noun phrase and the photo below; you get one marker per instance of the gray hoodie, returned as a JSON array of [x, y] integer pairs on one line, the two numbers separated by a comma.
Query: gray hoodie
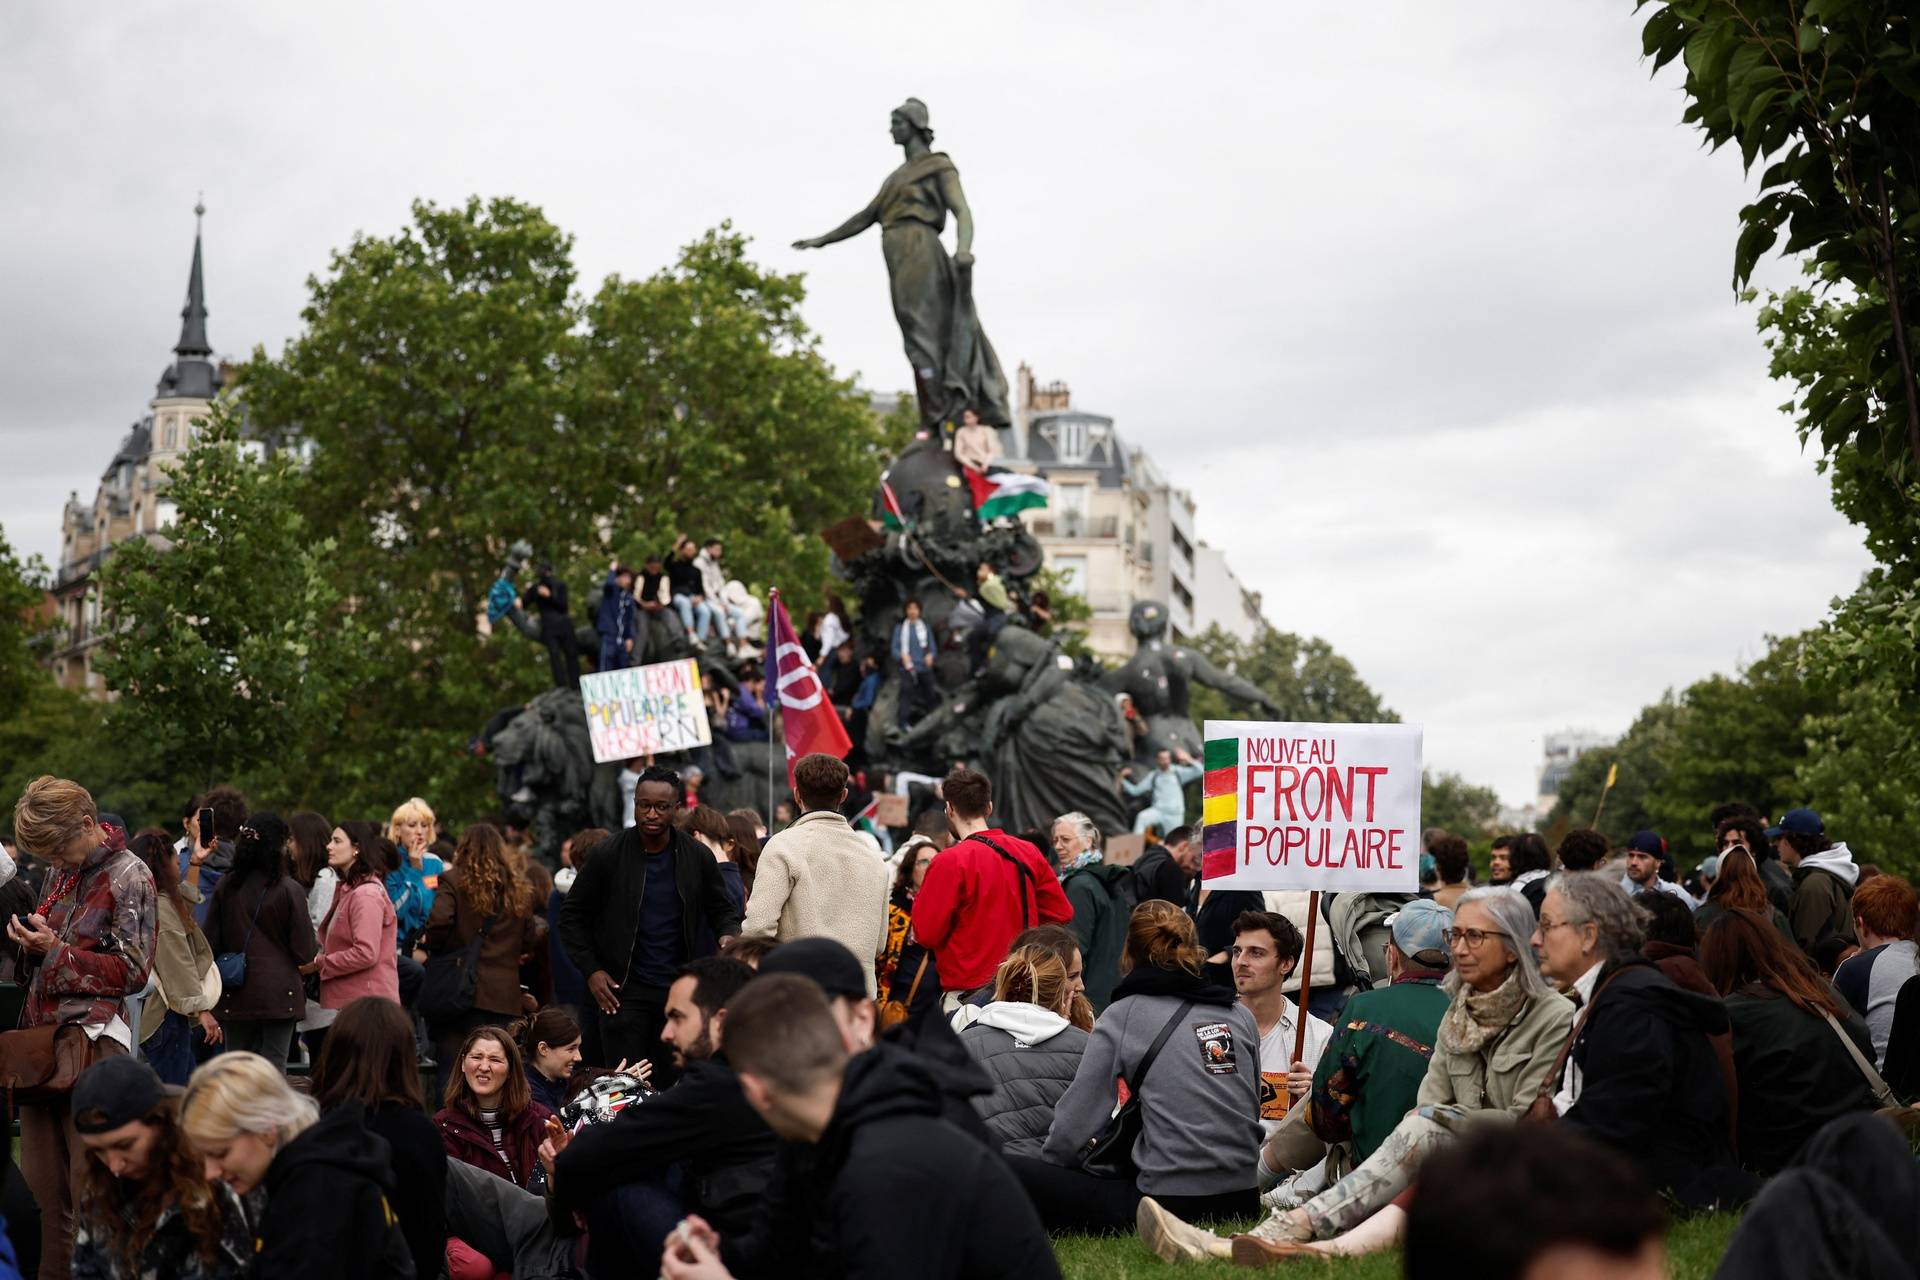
[[1200, 1102]]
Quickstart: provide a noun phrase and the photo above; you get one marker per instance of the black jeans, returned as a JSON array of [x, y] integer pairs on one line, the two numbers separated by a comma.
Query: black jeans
[[1070, 1200], [563, 649], [633, 1032]]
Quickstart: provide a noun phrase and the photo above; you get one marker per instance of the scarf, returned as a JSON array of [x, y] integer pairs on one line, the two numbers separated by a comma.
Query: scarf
[[1476, 1018], [1178, 983], [1085, 859]]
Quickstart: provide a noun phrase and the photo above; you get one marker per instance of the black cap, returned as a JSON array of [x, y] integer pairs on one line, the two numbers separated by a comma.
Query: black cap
[[828, 963], [114, 820], [113, 1092]]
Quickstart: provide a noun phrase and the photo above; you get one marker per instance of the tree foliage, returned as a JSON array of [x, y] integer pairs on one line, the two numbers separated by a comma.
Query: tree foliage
[[228, 645], [1305, 677], [23, 623], [455, 394], [1449, 800]]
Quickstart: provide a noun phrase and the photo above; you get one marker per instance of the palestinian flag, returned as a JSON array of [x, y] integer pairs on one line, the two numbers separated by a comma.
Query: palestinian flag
[[1000, 492]]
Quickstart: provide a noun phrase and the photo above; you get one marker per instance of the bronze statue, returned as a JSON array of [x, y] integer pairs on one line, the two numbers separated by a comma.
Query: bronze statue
[[1158, 678], [954, 367]]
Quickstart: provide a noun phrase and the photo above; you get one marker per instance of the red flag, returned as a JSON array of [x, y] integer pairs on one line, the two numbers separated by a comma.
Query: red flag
[[811, 722]]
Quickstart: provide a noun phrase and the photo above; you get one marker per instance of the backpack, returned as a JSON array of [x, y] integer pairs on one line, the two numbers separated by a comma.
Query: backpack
[[1358, 922]]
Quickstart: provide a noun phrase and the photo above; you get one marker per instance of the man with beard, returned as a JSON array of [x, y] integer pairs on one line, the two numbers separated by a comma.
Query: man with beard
[[698, 1147]]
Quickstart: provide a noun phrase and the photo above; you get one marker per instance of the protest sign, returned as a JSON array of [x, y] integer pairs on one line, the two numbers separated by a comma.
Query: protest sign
[[1311, 806], [639, 711]]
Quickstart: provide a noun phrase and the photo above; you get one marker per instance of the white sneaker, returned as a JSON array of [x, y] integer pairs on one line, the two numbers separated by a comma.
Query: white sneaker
[[1172, 1240]]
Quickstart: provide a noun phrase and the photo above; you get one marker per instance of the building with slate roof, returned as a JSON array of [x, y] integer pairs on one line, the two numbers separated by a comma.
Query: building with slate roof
[[131, 499]]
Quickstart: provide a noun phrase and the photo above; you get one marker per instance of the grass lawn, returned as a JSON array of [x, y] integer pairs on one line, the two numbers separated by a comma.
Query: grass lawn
[[1693, 1249]]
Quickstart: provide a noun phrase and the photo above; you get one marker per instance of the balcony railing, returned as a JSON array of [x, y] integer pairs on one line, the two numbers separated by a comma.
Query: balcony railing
[[1071, 525]]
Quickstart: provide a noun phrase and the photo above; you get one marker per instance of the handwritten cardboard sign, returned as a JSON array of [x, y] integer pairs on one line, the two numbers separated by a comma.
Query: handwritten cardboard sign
[[650, 710], [1311, 806]]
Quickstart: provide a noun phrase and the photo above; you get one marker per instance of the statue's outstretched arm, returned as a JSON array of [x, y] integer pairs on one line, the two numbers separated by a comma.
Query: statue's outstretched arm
[[845, 231], [962, 216], [1204, 672]]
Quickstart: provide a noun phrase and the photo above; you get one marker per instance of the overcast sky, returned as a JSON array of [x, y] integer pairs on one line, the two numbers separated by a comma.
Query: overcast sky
[[1427, 304]]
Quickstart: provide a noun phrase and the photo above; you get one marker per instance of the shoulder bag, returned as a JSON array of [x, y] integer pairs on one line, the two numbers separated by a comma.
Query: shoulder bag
[[40, 1064], [1882, 1091], [453, 980], [232, 965], [892, 1013], [1109, 1153], [1029, 895]]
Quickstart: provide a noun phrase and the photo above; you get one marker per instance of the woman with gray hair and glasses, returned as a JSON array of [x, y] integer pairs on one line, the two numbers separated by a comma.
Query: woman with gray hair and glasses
[[1641, 1072], [1498, 1041]]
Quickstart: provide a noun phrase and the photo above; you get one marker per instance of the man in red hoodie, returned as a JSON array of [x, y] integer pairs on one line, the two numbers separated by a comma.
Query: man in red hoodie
[[982, 892]]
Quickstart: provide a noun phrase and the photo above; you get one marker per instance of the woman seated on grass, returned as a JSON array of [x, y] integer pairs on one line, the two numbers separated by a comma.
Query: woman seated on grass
[[1498, 1041], [490, 1119], [1029, 1039], [1199, 1097]]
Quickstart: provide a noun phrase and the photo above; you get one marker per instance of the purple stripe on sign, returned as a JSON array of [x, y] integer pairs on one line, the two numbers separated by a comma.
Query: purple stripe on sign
[[1220, 835]]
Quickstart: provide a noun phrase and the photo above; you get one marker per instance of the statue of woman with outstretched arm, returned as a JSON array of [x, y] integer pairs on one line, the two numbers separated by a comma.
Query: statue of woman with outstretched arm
[[954, 367]]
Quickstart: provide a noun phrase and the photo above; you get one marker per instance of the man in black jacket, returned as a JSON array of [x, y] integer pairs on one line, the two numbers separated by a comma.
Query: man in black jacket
[[696, 1147], [1168, 870], [549, 600], [1641, 1074], [629, 921], [896, 1190]]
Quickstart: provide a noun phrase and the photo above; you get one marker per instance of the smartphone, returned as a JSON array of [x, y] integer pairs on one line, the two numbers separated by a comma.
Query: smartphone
[[205, 823]]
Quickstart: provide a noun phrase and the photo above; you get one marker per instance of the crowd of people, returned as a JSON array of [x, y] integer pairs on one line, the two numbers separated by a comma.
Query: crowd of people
[[288, 1047]]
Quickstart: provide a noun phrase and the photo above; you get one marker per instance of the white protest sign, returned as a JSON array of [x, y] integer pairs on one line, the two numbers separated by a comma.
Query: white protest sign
[[1311, 806], [639, 711]]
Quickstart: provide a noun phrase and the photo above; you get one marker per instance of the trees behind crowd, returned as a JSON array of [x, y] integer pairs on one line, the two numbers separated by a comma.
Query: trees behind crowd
[[1823, 104], [313, 632]]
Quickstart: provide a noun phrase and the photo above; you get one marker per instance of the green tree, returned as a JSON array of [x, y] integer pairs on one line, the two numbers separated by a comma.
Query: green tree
[[23, 623], [1739, 737], [455, 395], [1305, 677], [715, 414], [1449, 800], [227, 644], [1643, 755]]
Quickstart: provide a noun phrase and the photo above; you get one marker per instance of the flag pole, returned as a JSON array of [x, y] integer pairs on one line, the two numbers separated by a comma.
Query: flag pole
[[772, 659], [1613, 773], [1306, 980]]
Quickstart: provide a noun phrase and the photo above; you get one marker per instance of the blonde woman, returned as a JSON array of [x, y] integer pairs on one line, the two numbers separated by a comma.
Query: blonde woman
[[1029, 1040], [328, 1181], [412, 829], [88, 948]]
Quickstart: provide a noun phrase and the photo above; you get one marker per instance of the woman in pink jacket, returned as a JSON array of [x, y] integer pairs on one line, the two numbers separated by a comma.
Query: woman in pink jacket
[[357, 956]]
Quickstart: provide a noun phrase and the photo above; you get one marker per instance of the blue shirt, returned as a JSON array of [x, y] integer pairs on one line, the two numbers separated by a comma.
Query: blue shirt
[[1167, 787], [659, 949]]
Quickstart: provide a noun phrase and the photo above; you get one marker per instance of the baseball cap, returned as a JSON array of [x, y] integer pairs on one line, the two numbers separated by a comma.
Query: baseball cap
[[831, 966], [116, 821], [113, 1092], [1648, 842], [1420, 925], [1799, 822]]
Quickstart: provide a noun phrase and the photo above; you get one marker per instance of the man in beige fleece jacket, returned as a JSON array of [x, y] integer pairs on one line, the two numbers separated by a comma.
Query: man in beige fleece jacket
[[819, 878]]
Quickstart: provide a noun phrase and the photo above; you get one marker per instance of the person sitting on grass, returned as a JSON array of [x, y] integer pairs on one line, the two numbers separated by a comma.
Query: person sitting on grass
[[1029, 1038], [895, 1189], [1199, 1096], [1497, 1044]]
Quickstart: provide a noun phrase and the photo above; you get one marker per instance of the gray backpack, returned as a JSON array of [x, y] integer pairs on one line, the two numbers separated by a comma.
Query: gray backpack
[[1360, 933]]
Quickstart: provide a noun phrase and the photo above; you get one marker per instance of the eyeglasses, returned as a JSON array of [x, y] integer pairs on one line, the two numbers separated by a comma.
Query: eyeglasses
[[654, 806], [1472, 939], [1547, 926], [923, 862]]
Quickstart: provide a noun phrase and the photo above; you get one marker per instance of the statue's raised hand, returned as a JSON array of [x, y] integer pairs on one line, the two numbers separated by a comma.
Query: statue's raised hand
[[963, 259], [806, 244]]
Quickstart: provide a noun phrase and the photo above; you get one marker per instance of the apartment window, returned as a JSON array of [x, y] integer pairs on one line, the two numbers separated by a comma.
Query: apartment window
[[1073, 573], [1181, 545], [1073, 441], [1071, 504], [1184, 596]]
